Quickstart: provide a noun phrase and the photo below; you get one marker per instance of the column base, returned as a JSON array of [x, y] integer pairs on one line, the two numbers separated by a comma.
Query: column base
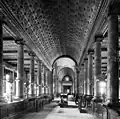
[[18, 98], [31, 95]]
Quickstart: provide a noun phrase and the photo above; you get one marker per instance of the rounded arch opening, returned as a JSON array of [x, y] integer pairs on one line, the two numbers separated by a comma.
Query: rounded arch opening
[[66, 71], [64, 56]]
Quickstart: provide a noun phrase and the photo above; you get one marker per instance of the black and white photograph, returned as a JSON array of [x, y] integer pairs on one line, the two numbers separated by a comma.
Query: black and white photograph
[[59, 59]]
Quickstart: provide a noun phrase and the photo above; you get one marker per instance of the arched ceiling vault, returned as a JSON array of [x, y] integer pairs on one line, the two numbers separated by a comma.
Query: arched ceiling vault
[[51, 28], [66, 71], [62, 57]]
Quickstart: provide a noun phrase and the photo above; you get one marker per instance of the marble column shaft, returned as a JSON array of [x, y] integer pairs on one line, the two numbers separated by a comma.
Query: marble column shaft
[[90, 67], [85, 76], [32, 75], [20, 70], [113, 59], [82, 79], [78, 80], [51, 82], [44, 80], [97, 64], [53, 76], [38, 77], [1, 58]]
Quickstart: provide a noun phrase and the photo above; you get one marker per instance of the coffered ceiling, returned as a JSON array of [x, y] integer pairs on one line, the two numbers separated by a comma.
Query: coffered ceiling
[[51, 28]]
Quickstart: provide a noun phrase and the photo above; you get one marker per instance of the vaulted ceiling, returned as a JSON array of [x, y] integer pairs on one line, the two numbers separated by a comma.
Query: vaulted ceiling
[[52, 28], [66, 71]]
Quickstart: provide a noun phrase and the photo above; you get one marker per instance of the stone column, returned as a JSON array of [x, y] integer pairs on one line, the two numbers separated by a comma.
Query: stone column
[[56, 81], [32, 75], [38, 77], [61, 87], [113, 59], [82, 75], [46, 83], [53, 76], [90, 67], [97, 65], [44, 80], [14, 84], [1, 59], [78, 80], [72, 86], [85, 75], [75, 82], [51, 83], [20, 69]]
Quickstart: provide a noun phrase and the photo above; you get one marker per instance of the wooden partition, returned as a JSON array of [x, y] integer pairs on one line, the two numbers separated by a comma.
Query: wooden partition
[[16, 109]]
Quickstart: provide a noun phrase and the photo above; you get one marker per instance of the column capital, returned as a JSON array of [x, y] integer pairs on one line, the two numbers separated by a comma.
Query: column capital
[[20, 41], [31, 54], [99, 37], [90, 51], [38, 61], [45, 68]]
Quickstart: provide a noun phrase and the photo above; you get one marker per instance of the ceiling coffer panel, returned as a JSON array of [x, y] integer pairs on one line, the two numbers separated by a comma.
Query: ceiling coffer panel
[[52, 24]]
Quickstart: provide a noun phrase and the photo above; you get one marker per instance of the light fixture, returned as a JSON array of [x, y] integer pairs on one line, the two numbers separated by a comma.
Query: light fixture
[[9, 78], [67, 78], [102, 85]]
